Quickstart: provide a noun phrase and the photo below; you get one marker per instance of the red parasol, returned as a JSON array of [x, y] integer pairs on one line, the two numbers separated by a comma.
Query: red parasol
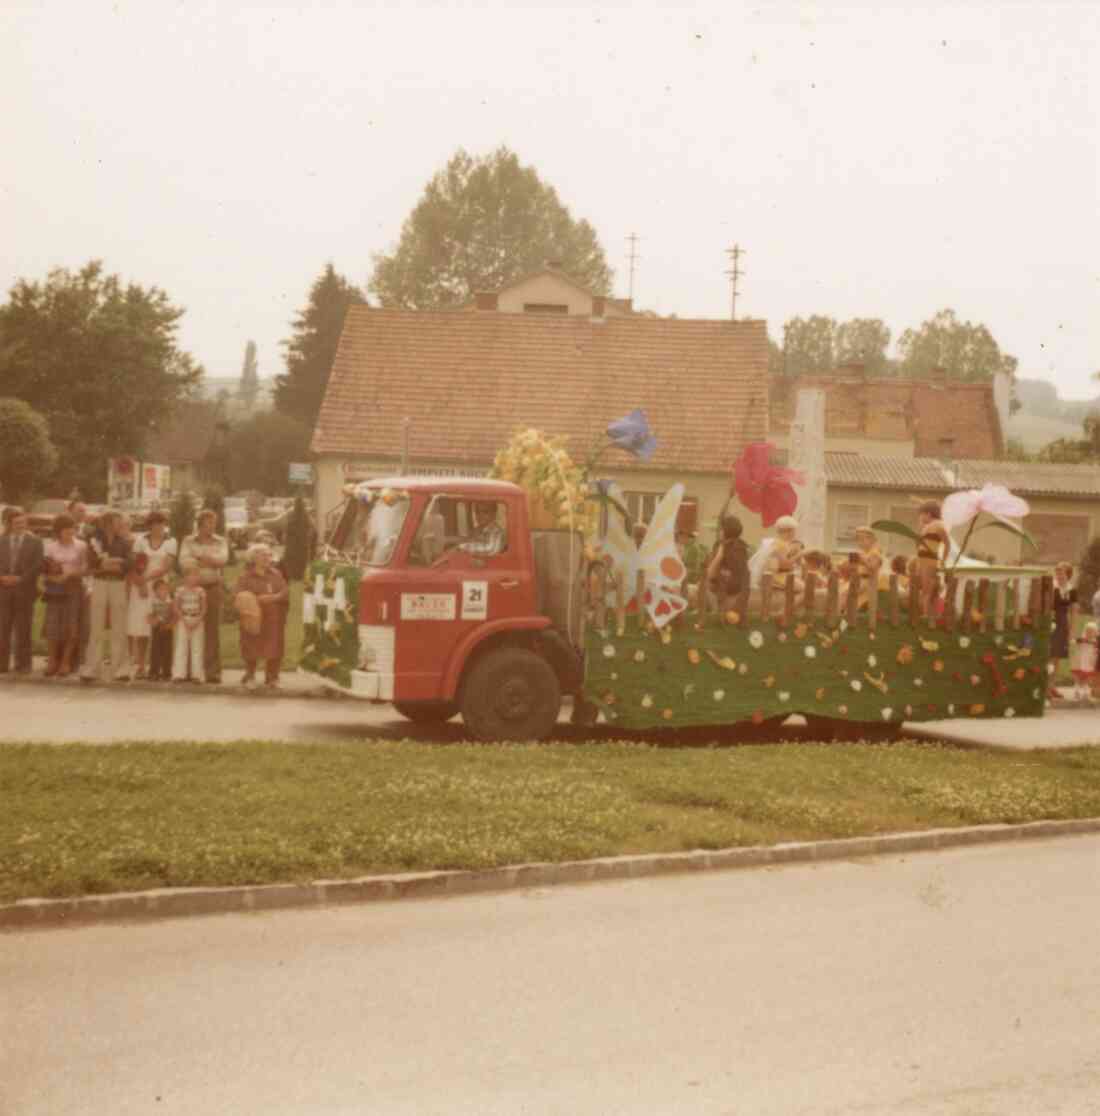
[[763, 487]]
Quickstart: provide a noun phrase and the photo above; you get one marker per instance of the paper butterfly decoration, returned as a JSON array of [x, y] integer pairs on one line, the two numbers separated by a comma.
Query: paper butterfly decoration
[[657, 557]]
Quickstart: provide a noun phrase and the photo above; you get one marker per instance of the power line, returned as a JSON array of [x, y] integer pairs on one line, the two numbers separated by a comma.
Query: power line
[[735, 253], [632, 240]]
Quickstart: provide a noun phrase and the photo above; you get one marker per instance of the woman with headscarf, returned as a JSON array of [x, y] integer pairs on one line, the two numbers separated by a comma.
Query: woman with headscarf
[[262, 635]]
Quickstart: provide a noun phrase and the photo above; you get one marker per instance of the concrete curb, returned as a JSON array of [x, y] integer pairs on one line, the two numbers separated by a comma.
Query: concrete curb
[[175, 902]]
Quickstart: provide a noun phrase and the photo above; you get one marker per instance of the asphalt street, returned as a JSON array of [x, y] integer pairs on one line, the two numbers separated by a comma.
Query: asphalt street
[[957, 983]]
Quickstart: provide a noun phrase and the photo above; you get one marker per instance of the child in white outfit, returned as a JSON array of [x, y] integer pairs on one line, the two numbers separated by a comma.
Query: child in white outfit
[[190, 607], [1083, 658]]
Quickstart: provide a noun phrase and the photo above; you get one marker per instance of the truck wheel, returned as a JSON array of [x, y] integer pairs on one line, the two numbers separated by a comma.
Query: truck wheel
[[426, 712], [511, 694]]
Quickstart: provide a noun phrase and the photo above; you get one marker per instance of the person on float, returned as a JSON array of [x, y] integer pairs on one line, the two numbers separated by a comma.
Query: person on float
[[728, 567], [1065, 618], [866, 561], [785, 553], [930, 551], [154, 558], [66, 565]]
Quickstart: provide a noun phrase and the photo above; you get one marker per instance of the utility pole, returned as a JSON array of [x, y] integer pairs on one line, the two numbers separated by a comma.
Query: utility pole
[[632, 240], [735, 253]]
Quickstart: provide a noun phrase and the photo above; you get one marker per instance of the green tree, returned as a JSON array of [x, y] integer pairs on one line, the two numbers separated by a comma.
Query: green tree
[[967, 351], [296, 555], [863, 341], [481, 223], [261, 449], [809, 345], [312, 348], [249, 387], [98, 358], [182, 516], [213, 498], [27, 456], [1088, 574]]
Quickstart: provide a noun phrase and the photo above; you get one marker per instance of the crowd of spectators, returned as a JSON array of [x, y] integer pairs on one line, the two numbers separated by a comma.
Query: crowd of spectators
[[158, 601]]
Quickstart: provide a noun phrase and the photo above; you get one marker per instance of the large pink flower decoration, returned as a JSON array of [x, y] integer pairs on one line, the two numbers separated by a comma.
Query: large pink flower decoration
[[994, 499], [763, 487]]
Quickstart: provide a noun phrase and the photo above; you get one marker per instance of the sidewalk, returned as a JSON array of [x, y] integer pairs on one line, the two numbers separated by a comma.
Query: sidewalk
[[291, 684], [1067, 724]]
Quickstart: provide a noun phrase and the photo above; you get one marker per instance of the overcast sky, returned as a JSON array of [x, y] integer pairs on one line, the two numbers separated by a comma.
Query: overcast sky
[[871, 162]]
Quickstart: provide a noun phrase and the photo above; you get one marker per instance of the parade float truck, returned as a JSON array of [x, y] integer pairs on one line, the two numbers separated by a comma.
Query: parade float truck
[[402, 609]]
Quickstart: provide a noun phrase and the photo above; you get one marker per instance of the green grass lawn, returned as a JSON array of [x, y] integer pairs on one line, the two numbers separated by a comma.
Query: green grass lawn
[[81, 819], [230, 632]]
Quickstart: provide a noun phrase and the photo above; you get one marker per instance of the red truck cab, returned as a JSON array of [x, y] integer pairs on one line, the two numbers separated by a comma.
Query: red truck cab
[[449, 611]]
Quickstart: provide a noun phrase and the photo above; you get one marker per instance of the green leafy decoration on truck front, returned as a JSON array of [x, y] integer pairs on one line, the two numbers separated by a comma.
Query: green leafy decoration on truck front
[[330, 627]]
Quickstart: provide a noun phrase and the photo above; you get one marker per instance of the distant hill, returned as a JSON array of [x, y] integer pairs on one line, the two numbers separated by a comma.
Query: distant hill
[[1044, 416]]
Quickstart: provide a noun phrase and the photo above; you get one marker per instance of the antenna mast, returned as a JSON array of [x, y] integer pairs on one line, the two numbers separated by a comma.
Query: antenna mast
[[735, 253], [632, 240]]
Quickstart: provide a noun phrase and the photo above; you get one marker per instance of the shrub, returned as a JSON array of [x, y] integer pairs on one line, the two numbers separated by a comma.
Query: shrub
[[182, 516], [1088, 575], [296, 555]]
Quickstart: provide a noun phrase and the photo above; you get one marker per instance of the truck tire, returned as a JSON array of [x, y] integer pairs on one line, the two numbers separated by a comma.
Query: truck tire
[[426, 712], [511, 694]]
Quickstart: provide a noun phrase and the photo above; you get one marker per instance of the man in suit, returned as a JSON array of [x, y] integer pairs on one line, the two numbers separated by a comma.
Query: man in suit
[[21, 555]]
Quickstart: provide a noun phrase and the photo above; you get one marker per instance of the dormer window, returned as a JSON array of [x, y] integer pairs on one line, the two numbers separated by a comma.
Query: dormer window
[[545, 308]]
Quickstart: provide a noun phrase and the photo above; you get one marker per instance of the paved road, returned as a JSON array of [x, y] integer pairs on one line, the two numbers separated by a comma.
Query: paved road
[[959, 983], [37, 711]]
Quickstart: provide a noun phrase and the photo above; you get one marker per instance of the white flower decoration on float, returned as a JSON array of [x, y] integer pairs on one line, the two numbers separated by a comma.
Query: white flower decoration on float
[[743, 668], [887, 713], [856, 685], [843, 625], [951, 711], [1010, 712], [608, 651], [647, 701], [719, 695], [918, 681], [810, 652], [756, 640], [964, 642], [783, 695], [872, 661]]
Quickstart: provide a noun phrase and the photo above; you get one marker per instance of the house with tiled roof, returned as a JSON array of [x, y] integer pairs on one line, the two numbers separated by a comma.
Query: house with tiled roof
[[895, 417], [184, 442], [1064, 500], [453, 386], [550, 291]]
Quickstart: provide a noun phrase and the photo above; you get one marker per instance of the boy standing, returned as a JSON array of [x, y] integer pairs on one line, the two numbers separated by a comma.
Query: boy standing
[[161, 620], [190, 611]]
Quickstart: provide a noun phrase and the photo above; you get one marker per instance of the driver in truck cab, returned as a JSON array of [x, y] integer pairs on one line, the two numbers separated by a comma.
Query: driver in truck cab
[[487, 537]]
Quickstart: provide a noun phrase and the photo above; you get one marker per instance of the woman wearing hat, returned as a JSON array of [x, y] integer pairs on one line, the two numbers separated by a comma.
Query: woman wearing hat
[[154, 558], [262, 635]]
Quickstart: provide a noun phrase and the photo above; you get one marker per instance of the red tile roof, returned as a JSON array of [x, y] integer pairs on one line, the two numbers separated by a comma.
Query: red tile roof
[[467, 380], [942, 418], [854, 470]]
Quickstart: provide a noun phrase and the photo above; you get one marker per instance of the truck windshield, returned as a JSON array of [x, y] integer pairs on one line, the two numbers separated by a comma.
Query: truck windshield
[[379, 528]]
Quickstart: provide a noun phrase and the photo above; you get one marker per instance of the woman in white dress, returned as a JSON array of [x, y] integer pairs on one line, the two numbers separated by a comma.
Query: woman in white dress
[[154, 557]]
